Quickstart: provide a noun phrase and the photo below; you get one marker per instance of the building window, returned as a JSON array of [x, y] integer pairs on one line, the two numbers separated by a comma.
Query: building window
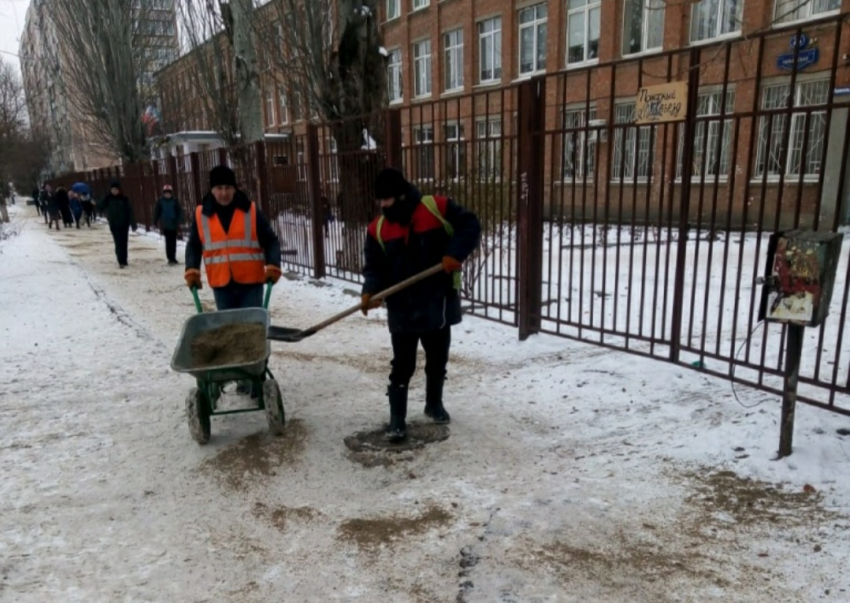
[[710, 137], [453, 42], [490, 50], [532, 39], [393, 9], [284, 108], [422, 68], [643, 26], [297, 111], [489, 149], [270, 107], [808, 127], [423, 138], [796, 10], [715, 18], [394, 76], [455, 151], [417, 4], [632, 147], [582, 31], [579, 150]]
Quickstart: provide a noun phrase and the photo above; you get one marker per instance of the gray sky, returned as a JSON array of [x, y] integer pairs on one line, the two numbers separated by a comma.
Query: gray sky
[[13, 14]]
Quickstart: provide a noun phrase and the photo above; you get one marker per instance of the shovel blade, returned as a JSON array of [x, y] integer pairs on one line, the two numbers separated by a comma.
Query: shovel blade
[[287, 334]]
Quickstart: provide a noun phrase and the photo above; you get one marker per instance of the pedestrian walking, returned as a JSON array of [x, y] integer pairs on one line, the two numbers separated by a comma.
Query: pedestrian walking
[[63, 202], [119, 214], [35, 201], [168, 214], [76, 208], [52, 207], [88, 208], [412, 234]]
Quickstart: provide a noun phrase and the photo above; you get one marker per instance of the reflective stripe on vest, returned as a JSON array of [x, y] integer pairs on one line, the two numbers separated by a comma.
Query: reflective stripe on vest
[[431, 205], [234, 255]]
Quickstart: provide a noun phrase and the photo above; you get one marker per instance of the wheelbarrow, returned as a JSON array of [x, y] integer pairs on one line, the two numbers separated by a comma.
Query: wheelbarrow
[[202, 401]]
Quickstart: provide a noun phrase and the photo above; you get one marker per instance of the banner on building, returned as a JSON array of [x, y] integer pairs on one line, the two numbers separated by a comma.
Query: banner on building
[[662, 103]]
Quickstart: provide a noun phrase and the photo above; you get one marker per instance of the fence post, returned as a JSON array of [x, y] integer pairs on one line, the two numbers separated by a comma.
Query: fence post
[[531, 164], [316, 209], [392, 138], [677, 316], [263, 178], [222, 156]]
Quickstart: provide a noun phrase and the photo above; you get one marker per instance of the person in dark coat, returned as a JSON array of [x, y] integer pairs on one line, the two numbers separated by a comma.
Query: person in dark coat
[[88, 208], [63, 202], [413, 234], [53, 211], [76, 207], [119, 213], [36, 201], [44, 200], [168, 214]]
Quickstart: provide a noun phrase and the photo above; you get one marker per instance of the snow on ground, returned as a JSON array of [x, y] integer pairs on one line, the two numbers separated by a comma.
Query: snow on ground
[[572, 473]]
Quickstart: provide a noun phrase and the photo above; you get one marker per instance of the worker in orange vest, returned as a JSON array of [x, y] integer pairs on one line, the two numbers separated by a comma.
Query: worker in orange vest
[[239, 248]]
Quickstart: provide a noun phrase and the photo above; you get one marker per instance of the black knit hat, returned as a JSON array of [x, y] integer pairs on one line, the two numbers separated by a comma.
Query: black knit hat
[[390, 184], [222, 175], [115, 184]]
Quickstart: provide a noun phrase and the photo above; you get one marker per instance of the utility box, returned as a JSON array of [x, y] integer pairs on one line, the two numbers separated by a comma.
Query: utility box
[[800, 275]]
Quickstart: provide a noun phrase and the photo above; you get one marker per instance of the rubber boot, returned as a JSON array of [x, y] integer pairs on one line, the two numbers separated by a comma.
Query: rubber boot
[[397, 430], [434, 400]]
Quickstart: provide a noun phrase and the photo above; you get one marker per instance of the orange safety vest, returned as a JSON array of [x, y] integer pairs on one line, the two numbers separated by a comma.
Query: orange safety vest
[[235, 254]]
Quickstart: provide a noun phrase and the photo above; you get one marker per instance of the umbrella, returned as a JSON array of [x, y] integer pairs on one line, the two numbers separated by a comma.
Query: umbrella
[[81, 188]]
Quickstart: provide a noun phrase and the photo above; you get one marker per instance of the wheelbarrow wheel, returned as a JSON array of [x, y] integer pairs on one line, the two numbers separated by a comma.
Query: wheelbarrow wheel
[[274, 406], [198, 415]]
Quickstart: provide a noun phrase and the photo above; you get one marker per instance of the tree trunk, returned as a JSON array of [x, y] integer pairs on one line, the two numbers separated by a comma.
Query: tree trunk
[[247, 77]]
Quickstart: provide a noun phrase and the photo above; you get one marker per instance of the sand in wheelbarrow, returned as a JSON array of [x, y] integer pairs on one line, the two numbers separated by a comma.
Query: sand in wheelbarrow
[[229, 345]]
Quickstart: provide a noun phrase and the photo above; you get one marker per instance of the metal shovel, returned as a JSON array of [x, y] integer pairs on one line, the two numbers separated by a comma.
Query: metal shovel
[[293, 335]]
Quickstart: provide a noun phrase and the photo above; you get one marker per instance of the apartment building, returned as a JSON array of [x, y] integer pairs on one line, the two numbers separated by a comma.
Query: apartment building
[[48, 88]]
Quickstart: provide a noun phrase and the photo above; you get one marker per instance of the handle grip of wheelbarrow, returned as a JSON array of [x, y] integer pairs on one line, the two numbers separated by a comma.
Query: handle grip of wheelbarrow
[[268, 295], [197, 299]]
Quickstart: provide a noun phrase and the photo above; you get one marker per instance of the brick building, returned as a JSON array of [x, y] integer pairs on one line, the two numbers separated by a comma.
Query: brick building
[[768, 123]]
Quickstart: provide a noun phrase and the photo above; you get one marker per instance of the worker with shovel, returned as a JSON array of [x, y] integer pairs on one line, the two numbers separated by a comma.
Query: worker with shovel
[[413, 233], [239, 248]]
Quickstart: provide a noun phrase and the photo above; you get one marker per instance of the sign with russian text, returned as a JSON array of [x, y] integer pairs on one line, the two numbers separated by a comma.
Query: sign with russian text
[[662, 103]]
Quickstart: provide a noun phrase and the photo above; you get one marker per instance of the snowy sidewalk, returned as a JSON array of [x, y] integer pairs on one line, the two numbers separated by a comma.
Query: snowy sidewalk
[[572, 473]]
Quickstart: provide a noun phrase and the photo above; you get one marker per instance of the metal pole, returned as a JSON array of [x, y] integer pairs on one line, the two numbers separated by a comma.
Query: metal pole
[[793, 353]]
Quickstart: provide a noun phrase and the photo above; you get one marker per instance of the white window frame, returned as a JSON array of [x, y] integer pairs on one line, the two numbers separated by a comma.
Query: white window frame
[[586, 10], [419, 4], [772, 97], [649, 8], [488, 134], [393, 8], [638, 147], [453, 60], [720, 10], [455, 150], [394, 76], [812, 9], [422, 68], [536, 24], [579, 145], [284, 108], [423, 143], [491, 39], [719, 132], [270, 107]]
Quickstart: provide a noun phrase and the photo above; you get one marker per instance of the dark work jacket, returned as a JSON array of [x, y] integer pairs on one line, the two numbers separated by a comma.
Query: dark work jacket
[[168, 212], [433, 303], [265, 234], [118, 210]]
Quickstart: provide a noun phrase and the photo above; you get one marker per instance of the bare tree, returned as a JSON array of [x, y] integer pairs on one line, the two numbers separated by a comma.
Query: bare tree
[[12, 127], [329, 53], [107, 60]]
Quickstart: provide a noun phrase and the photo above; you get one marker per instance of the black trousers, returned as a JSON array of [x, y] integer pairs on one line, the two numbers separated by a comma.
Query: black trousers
[[120, 234], [436, 345], [170, 244]]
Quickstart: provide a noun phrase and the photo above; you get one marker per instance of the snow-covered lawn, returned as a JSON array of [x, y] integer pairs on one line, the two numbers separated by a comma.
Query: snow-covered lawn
[[572, 473]]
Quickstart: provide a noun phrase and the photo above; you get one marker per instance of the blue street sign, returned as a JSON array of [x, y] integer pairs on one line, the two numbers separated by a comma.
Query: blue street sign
[[802, 41], [805, 58], [841, 91]]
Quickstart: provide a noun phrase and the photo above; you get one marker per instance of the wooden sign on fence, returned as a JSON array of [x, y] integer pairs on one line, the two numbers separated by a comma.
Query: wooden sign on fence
[[662, 103]]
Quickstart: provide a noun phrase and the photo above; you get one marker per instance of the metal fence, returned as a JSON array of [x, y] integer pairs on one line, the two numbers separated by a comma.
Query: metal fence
[[643, 238]]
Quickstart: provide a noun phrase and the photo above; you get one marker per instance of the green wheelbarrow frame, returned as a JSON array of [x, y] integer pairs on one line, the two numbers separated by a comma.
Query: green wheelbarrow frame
[[202, 402]]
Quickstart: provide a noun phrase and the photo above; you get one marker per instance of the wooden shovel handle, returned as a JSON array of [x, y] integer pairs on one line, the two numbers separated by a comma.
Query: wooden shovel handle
[[377, 297]]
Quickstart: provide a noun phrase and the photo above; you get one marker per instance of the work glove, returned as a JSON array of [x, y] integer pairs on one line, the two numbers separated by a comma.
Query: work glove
[[272, 274], [450, 264], [193, 278], [367, 304]]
